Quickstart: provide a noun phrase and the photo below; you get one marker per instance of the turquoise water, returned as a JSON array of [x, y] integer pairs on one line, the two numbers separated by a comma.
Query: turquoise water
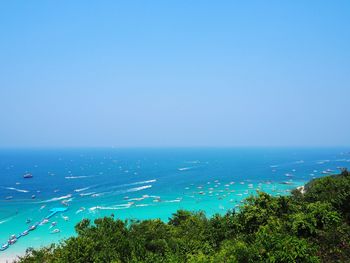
[[142, 183]]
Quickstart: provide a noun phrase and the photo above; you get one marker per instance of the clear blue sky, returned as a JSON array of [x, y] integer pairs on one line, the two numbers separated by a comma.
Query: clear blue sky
[[174, 73]]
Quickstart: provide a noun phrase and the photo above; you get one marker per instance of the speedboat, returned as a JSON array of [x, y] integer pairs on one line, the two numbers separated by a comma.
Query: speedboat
[[55, 231], [9, 197], [4, 246], [27, 175], [44, 221], [32, 227], [24, 233], [12, 241]]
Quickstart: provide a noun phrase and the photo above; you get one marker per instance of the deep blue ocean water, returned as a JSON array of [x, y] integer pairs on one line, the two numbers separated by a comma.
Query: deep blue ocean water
[[143, 183]]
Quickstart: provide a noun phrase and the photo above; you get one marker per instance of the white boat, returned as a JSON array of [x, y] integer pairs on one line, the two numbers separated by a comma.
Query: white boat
[[32, 227], [12, 241], [27, 175], [4, 246], [44, 221], [55, 231], [24, 233]]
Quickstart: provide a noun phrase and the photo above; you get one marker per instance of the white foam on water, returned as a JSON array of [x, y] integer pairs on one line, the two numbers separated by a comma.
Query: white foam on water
[[172, 201], [78, 177], [140, 182], [138, 188], [87, 194], [17, 190], [143, 205], [185, 168], [57, 198], [81, 189], [92, 209], [6, 220]]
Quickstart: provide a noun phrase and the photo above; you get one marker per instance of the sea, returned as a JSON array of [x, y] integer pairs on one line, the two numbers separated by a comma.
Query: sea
[[141, 183]]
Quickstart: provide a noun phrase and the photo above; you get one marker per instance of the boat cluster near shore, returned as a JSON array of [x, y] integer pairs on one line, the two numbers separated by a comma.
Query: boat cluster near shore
[[13, 238]]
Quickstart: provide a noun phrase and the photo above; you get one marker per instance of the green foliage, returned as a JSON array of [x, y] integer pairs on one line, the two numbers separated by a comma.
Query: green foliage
[[310, 227], [334, 189]]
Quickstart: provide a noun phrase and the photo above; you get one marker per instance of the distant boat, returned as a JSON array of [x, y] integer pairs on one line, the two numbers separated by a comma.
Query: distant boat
[[27, 175], [24, 233], [43, 222], [4, 246], [55, 231], [32, 227], [12, 240]]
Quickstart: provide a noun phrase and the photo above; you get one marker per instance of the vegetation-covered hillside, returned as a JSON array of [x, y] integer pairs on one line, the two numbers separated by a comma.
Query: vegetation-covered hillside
[[310, 227]]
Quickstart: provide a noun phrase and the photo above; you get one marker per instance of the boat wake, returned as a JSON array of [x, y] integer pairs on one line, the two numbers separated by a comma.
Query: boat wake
[[135, 189], [81, 189], [87, 194], [17, 190], [6, 220], [115, 207], [185, 168], [141, 182], [78, 177], [172, 201], [57, 198], [138, 188]]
